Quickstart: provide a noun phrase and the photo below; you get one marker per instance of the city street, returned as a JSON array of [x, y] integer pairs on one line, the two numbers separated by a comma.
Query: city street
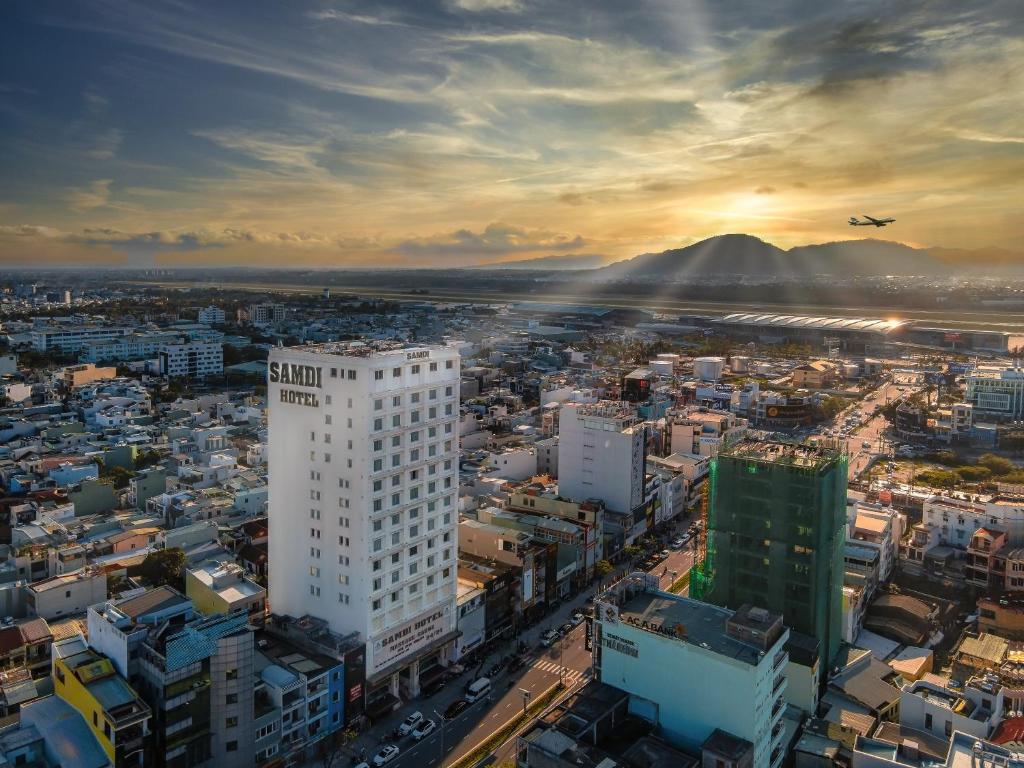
[[567, 659]]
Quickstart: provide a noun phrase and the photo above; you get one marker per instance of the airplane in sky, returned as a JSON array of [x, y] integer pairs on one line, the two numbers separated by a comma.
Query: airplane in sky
[[871, 222]]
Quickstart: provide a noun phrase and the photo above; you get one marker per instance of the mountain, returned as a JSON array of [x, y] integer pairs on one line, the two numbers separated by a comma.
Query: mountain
[[750, 256], [568, 262], [724, 254]]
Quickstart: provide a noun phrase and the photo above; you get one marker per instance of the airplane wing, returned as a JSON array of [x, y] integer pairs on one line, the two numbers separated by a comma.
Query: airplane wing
[[873, 221]]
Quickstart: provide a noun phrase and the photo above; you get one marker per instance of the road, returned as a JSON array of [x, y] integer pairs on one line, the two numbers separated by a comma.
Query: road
[[567, 660], [870, 426]]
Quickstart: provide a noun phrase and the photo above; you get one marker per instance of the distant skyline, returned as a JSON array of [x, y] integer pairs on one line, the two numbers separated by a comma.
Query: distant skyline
[[461, 132]]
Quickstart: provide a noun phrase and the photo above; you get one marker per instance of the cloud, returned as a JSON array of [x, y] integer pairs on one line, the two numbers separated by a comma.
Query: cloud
[[495, 240], [765, 191], [477, 6], [96, 195]]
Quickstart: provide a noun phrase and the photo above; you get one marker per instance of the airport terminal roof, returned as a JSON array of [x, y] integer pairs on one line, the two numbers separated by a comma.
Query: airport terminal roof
[[858, 324]]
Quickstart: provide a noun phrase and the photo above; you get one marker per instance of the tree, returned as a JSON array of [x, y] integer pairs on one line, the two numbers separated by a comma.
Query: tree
[[163, 567], [331, 750], [997, 464], [632, 552], [118, 477], [601, 569]]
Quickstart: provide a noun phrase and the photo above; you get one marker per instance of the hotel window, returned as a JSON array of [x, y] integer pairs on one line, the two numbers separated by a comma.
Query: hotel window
[[377, 584], [414, 397], [314, 571], [351, 375], [396, 596], [395, 576], [396, 401], [378, 404], [396, 441], [376, 605], [376, 565], [433, 366], [396, 372], [378, 375], [448, 364], [327, 419]]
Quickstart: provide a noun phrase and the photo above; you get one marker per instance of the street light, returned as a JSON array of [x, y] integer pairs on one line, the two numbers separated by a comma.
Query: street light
[[526, 697], [441, 719]]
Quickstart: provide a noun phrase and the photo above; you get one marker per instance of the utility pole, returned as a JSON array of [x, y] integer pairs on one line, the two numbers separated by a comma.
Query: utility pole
[[440, 718]]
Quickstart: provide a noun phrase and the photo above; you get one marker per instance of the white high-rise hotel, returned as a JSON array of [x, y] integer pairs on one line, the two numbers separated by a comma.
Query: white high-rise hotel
[[363, 457]]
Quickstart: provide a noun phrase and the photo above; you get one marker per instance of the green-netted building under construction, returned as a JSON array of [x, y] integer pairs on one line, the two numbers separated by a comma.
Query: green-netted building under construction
[[775, 532]]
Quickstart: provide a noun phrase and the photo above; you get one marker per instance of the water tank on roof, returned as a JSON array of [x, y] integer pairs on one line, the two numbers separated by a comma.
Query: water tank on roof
[[708, 368], [739, 364]]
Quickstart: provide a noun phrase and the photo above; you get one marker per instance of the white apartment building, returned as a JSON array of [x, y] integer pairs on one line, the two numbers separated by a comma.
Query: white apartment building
[[957, 519], [997, 391], [72, 338], [363, 462], [266, 314], [192, 359], [728, 668], [135, 346], [212, 315], [601, 454]]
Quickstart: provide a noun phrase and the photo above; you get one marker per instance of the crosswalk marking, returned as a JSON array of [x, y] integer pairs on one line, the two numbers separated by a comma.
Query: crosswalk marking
[[553, 668]]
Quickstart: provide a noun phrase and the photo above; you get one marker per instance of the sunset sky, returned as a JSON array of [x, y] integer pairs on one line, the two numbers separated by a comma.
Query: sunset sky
[[466, 131]]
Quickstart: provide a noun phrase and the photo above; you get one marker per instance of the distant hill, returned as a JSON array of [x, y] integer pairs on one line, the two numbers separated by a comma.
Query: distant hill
[[747, 255], [580, 261]]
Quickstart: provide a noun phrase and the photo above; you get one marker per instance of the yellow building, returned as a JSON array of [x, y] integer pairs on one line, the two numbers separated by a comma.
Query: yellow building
[[112, 710], [220, 588], [820, 374], [86, 373]]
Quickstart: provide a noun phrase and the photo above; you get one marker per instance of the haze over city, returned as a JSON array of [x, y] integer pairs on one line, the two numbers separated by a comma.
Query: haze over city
[[470, 132]]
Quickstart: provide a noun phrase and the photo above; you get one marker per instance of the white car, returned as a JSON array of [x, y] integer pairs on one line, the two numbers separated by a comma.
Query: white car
[[410, 723], [577, 619], [549, 638], [387, 753], [425, 728]]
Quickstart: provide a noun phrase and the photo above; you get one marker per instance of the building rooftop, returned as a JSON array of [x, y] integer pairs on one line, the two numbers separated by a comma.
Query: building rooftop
[[689, 621], [815, 456], [157, 599]]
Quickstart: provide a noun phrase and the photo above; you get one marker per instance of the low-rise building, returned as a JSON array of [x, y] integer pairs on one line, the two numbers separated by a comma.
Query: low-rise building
[[220, 588], [736, 659], [69, 594], [117, 716]]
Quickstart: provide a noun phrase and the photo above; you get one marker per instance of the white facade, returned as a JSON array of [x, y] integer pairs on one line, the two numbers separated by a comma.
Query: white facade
[[72, 338], [601, 455], [997, 391], [363, 458], [193, 359], [212, 316], [266, 314], [957, 520]]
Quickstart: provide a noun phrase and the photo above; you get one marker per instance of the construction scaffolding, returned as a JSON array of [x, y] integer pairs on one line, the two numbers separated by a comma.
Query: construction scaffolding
[[773, 535]]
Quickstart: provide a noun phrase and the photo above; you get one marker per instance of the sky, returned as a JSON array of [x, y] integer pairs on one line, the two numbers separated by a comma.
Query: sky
[[435, 133]]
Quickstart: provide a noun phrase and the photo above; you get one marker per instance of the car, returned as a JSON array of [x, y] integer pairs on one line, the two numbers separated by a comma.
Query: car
[[363, 764], [686, 538], [386, 754], [677, 543], [410, 723], [425, 728], [455, 709], [566, 628], [577, 619], [549, 638], [432, 687], [664, 554]]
